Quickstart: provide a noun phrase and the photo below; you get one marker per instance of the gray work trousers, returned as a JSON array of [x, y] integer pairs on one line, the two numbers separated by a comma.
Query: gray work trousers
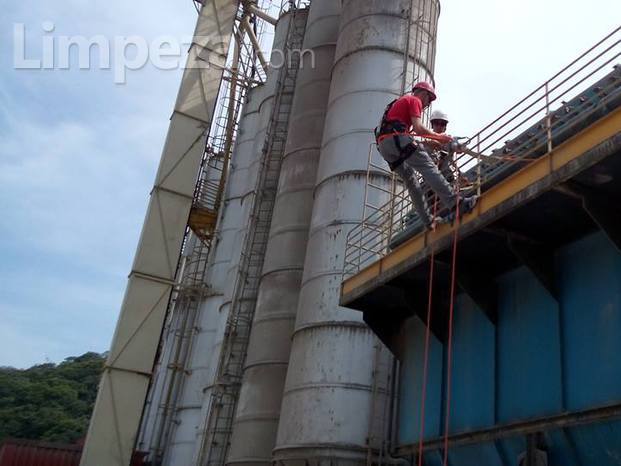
[[419, 162]]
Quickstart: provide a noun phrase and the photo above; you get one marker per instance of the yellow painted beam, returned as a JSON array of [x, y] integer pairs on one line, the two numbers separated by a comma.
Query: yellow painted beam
[[568, 151]]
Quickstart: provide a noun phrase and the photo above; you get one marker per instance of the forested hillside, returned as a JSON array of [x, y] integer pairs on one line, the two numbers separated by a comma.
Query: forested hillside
[[49, 401]]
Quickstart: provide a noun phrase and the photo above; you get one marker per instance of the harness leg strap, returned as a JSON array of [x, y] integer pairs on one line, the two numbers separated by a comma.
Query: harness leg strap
[[406, 153]]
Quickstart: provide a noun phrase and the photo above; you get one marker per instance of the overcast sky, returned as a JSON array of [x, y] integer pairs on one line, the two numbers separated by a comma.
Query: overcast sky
[[78, 153]]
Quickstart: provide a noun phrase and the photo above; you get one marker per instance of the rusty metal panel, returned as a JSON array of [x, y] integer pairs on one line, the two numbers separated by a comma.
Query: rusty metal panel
[[34, 453]]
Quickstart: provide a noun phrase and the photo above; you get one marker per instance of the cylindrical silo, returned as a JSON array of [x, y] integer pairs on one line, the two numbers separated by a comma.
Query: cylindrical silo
[[243, 181], [258, 410], [266, 105], [202, 361], [197, 268], [327, 410]]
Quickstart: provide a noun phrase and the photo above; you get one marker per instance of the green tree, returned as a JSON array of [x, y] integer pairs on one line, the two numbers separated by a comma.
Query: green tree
[[48, 401]]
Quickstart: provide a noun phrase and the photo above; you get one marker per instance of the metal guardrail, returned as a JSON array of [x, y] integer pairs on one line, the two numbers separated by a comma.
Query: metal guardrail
[[526, 131]]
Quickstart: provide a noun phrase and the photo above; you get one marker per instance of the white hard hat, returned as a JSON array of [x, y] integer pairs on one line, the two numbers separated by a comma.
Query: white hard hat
[[439, 115]]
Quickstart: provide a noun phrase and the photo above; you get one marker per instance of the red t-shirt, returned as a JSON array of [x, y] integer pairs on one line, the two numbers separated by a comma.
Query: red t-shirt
[[406, 108]]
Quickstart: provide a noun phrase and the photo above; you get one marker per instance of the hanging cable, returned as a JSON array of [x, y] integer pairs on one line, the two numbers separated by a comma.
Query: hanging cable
[[450, 325], [427, 343]]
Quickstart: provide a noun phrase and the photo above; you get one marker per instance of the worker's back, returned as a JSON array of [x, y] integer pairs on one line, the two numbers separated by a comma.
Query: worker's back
[[404, 109]]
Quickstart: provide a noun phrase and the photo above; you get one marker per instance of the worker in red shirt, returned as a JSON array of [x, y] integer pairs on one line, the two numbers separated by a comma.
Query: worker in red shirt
[[408, 158]]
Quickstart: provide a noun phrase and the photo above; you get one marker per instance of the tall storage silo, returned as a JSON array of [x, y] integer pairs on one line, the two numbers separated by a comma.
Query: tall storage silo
[[176, 442], [329, 411], [216, 420], [256, 422], [238, 197], [210, 329]]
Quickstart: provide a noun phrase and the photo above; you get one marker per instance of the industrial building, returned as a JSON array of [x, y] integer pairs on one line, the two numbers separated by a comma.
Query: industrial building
[[283, 308]]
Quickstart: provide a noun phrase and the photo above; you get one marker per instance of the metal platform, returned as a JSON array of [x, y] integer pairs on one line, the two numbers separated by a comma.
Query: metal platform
[[537, 275], [555, 179], [562, 196]]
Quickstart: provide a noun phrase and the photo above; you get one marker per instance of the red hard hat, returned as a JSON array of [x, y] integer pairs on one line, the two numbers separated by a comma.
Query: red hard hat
[[426, 87]]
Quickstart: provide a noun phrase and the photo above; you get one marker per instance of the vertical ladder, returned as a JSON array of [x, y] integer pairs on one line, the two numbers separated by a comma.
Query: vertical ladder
[[237, 333], [190, 293]]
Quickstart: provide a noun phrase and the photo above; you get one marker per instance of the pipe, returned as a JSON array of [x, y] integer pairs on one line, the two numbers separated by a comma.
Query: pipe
[[231, 117], [255, 42], [252, 8]]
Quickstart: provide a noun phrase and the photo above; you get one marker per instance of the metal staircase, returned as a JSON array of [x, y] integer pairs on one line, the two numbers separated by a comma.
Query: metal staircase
[[237, 333]]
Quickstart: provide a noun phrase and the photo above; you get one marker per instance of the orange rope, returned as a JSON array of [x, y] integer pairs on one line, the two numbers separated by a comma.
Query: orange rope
[[433, 137], [449, 361], [426, 354], [440, 138]]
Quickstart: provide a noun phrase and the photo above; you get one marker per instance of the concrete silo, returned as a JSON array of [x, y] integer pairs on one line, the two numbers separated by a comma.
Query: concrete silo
[[250, 240], [329, 410], [254, 434], [209, 330]]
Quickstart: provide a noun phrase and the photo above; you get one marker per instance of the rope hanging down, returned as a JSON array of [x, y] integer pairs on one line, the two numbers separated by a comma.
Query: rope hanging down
[[426, 352], [449, 358], [450, 335]]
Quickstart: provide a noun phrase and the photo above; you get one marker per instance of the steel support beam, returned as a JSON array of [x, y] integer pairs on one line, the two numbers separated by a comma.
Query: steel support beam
[[255, 42], [416, 295], [388, 324], [532, 426], [483, 292], [419, 299], [252, 8]]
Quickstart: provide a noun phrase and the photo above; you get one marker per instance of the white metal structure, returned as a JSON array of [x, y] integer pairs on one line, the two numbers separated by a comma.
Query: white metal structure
[[125, 381], [335, 389]]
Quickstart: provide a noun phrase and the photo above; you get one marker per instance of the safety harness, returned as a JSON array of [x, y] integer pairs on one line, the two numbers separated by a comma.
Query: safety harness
[[395, 128]]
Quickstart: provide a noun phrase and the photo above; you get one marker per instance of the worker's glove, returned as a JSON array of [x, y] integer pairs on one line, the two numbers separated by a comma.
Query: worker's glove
[[443, 138], [456, 145]]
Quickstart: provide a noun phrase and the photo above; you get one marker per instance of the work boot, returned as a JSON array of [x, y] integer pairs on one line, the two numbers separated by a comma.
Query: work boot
[[468, 204], [409, 218], [435, 221]]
